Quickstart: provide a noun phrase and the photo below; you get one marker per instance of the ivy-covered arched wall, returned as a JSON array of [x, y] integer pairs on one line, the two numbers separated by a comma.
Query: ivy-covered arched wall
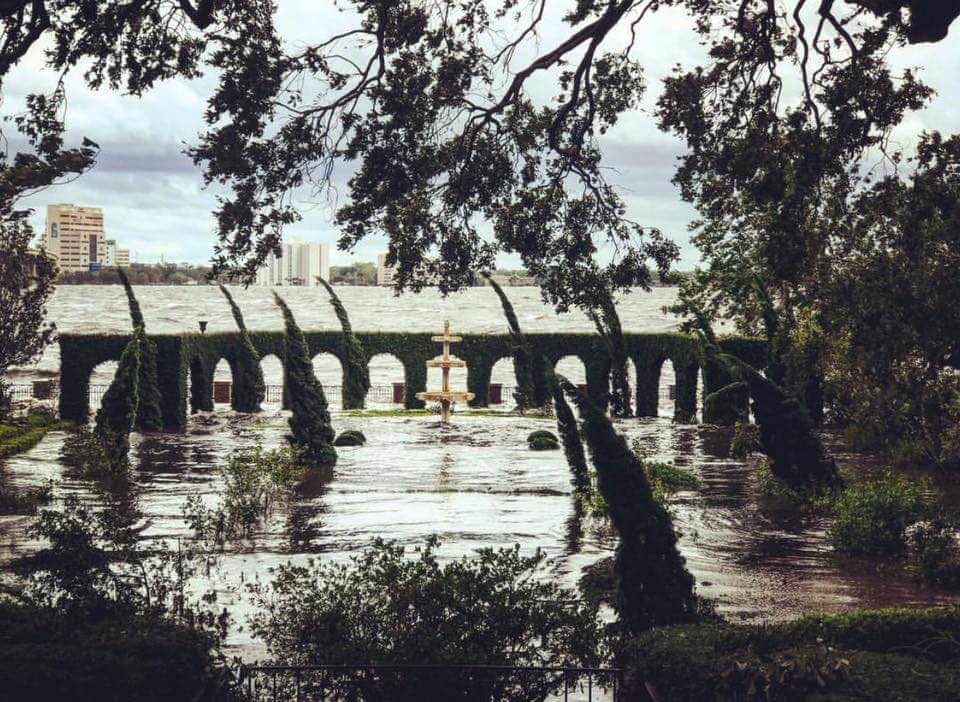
[[199, 354]]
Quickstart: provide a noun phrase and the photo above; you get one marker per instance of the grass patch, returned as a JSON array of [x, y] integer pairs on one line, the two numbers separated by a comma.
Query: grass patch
[[22, 434]]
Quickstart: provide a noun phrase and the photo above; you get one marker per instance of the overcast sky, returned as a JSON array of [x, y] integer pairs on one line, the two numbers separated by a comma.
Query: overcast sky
[[153, 197]]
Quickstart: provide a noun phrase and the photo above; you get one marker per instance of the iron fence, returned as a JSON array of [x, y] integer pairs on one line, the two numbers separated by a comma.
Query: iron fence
[[425, 683], [41, 390]]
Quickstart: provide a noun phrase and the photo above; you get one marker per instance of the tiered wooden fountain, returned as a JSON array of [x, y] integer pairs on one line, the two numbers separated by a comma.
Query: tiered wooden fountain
[[445, 397]]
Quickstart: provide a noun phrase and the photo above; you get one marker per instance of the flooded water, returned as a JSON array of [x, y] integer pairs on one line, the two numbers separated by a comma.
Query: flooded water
[[474, 483]]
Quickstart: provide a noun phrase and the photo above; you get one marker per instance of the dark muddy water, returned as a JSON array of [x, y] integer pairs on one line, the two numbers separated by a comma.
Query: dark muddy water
[[474, 484]]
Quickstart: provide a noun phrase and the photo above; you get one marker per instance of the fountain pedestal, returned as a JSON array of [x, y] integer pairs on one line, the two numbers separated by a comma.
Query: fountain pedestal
[[445, 397]]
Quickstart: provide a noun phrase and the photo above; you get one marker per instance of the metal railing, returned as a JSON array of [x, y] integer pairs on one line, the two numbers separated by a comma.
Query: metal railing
[[423, 683]]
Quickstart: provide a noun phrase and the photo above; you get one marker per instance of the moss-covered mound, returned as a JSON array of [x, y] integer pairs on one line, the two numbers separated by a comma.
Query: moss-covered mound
[[350, 437], [544, 443], [47, 656], [895, 654], [542, 434]]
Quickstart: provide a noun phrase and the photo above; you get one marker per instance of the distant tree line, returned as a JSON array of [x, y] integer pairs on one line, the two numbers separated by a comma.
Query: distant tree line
[[141, 274]]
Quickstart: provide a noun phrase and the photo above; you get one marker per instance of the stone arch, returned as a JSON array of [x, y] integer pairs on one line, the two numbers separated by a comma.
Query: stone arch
[[385, 369]]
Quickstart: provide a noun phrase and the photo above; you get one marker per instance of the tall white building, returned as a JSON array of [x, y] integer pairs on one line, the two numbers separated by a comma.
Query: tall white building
[[74, 236], [114, 256], [384, 272], [300, 263]]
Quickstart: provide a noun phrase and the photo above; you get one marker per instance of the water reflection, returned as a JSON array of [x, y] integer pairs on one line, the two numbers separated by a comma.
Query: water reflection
[[476, 484]]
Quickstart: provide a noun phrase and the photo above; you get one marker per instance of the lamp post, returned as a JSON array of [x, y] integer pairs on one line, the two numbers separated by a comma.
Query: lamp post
[[203, 325]]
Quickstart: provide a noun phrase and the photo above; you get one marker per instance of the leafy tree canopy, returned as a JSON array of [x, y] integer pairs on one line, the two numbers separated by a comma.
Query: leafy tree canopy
[[456, 157]]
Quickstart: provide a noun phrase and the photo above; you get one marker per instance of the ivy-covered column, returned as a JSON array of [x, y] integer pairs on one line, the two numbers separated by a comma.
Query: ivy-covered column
[[598, 381], [74, 391], [201, 386], [415, 372], [685, 405], [478, 380], [648, 387], [172, 382]]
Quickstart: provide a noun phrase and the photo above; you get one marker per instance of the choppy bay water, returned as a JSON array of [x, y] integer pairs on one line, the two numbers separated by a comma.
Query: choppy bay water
[[474, 484]]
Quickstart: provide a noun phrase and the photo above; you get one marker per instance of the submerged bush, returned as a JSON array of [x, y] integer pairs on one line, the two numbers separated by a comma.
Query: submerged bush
[[938, 553], [543, 443], [26, 501], [871, 518], [254, 480], [389, 606], [745, 439], [541, 434], [350, 437]]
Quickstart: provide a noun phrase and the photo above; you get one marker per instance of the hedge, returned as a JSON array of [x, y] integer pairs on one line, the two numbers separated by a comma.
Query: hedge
[[356, 374], [149, 414], [248, 389], [198, 354], [890, 654], [118, 410]]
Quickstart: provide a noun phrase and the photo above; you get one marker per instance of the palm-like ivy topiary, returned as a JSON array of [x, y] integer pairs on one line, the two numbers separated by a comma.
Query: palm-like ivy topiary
[[356, 374], [149, 415], [654, 587], [570, 437], [118, 409], [249, 390], [607, 322], [525, 393], [310, 426], [787, 435]]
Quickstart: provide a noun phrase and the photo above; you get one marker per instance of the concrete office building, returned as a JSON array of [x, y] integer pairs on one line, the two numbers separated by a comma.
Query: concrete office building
[[300, 263], [114, 256], [384, 272], [74, 236]]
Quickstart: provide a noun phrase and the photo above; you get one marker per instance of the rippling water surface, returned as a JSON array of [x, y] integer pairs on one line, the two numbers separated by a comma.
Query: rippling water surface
[[474, 483]]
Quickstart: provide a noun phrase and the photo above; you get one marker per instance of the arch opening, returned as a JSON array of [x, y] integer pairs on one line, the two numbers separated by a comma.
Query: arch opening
[[503, 375], [667, 390], [222, 384], [272, 368], [100, 378], [329, 371], [387, 380]]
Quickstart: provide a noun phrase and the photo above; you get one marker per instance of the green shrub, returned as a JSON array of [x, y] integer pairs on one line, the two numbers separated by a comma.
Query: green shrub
[[118, 409], [897, 654], [392, 607], [744, 440], [527, 393], [938, 552], [24, 433], [149, 416], [871, 518], [654, 585], [25, 502], [350, 437], [254, 480], [543, 443], [542, 434], [310, 426], [248, 390], [356, 373], [50, 656]]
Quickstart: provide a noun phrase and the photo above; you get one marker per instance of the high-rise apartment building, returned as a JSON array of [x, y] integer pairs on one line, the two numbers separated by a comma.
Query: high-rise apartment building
[[300, 263], [75, 237], [114, 256], [384, 272]]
